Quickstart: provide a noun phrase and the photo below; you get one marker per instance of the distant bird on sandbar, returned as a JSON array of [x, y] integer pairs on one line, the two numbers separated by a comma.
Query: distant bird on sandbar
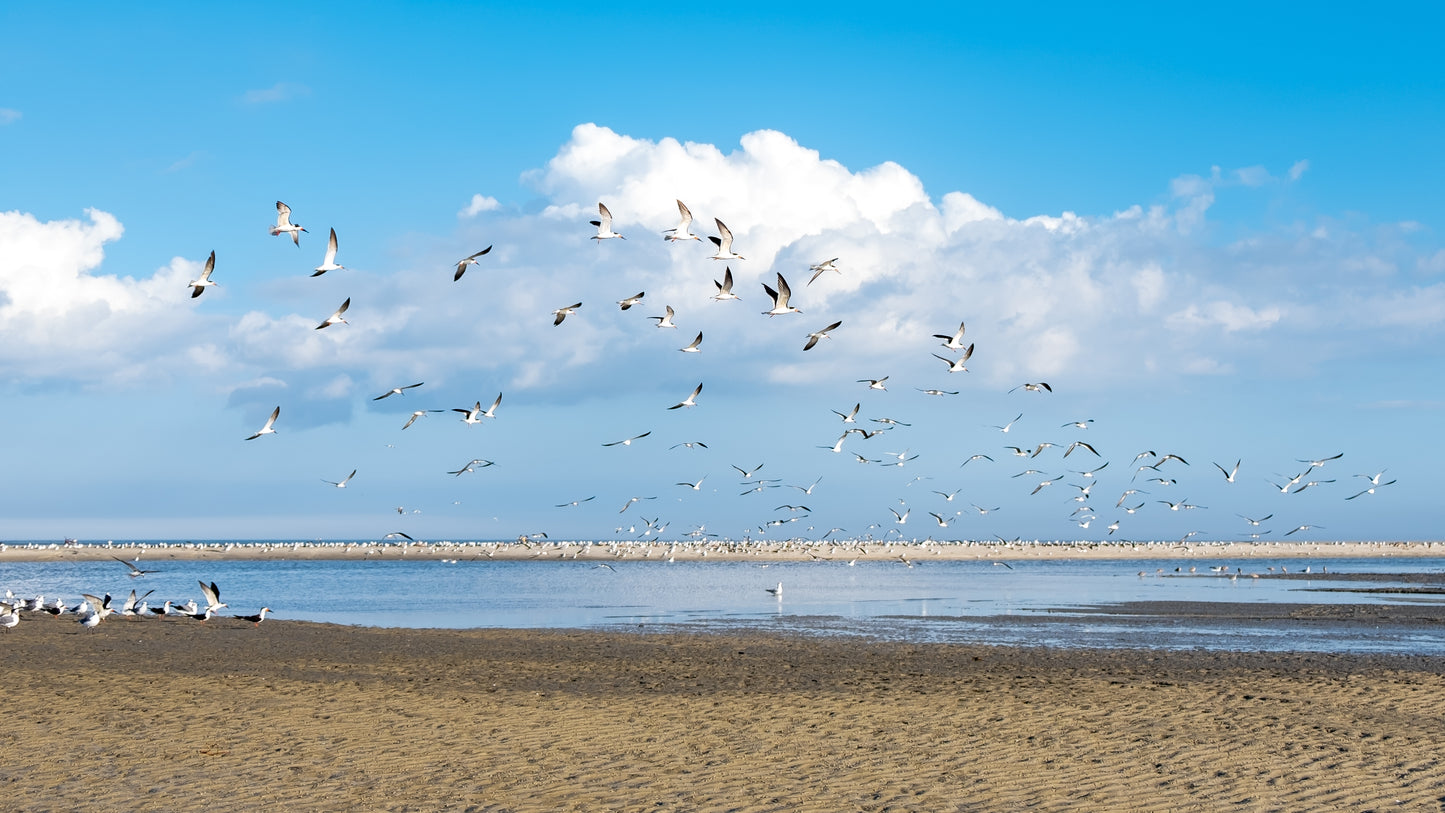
[[255, 619]]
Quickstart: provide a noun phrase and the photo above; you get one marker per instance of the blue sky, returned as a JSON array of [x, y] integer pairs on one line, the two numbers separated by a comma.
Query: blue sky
[[1214, 234]]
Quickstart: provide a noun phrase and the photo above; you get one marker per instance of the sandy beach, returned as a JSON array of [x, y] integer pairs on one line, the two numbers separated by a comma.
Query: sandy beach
[[176, 715]]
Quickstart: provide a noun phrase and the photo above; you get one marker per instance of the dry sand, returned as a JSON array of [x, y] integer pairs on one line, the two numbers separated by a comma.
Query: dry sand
[[175, 715]]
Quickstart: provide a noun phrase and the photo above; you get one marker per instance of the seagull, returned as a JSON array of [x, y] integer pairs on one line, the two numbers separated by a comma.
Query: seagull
[[257, 618], [213, 596], [284, 224], [954, 342], [328, 263], [724, 243], [563, 313], [690, 401], [694, 347], [466, 261], [874, 383], [1311, 483], [628, 441], [631, 300], [135, 572], [819, 268], [420, 413], [343, 483], [1009, 425], [398, 391], [1229, 475], [336, 317], [1370, 490], [683, 231], [204, 281], [822, 334], [956, 365], [725, 288], [780, 298], [1042, 385], [604, 226], [270, 423], [666, 319]]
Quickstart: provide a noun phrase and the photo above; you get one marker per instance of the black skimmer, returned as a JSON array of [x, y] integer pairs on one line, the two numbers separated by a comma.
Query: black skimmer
[[336, 318], [819, 268], [466, 261], [398, 391], [683, 230], [563, 313], [268, 429], [284, 224], [690, 401], [724, 243], [257, 618], [624, 304], [204, 281], [780, 298], [725, 288], [135, 572], [813, 338], [328, 263], [604, 226]]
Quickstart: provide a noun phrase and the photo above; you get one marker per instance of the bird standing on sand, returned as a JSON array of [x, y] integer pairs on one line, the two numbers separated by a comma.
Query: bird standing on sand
[[257, 618]]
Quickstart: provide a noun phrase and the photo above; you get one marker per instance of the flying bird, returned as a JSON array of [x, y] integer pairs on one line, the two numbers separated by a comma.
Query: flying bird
[[135, 572], [690, 401], [683, 230], [1009, 425], [780, 298], [666, 319], [563, 313], [466, 261], [821, 334], [695, 347], [954, 342], [420, 413], [270, 422], [725, 288], [957, 365], [336, 317], [1229, 475], [398, 390], [343, 483], [819, 268], [1370, 490], [328, 263], [604, 226], [204, 281], [874, 383], [1042, 385], [624, 304], [284, 224], [628, 441], [724, 243]]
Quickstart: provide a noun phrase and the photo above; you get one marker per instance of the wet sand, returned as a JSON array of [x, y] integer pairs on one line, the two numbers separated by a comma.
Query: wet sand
[[175, 715]]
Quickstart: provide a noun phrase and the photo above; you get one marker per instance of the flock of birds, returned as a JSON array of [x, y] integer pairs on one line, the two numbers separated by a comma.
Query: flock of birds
[[1153, 481], [90, 610]]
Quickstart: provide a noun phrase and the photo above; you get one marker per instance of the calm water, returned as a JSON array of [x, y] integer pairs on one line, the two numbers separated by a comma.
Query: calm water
[[937, 601]]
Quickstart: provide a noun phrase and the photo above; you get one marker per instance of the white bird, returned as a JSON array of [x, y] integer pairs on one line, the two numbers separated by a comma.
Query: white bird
[[1229, 475], [398, 391], [690, 401], [1371, 489], [328, 263], [563, 313], [942, 523], [624, 304], [683, 230], [694, 486], [874, 383], [420, 413], [780, 298], [473, 415], [213, 596], [336, 318], [270, 423], [748, 474], [666, 319], [1010, 424], [776, 591], [1254, 522], [628, 441], [819, 268], [695, 347], [466, 261], [343, 483], [936, 392], [849, 418], [1042, 385], [135, 572], [821, 334], [204, 281], [954, 342], [1316, 464], [901, 518], [471, 466], [1375, 478], [957, 365], [725, 288], [604, 226], [284, 224], [724, 243]]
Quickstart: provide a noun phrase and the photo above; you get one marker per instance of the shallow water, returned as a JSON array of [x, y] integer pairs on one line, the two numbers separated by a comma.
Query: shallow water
[[966, 601]]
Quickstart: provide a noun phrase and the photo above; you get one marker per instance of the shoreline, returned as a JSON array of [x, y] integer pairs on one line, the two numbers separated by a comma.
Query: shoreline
[[790, 550], [298, 715]]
